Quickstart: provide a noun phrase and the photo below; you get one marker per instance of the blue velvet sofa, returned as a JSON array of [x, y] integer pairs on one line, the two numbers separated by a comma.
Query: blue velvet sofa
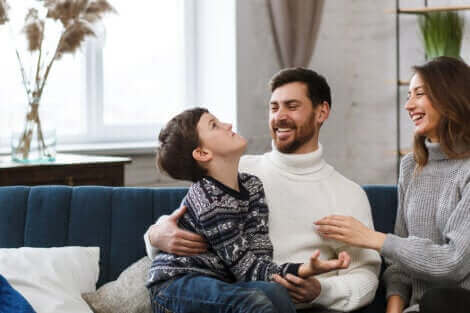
[[115, 218]]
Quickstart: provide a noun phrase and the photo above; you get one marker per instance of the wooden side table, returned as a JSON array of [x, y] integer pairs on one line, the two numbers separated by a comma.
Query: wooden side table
[[68, 169]]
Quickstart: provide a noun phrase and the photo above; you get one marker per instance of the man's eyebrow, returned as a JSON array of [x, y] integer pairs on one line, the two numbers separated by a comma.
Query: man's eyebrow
[[289, 101]]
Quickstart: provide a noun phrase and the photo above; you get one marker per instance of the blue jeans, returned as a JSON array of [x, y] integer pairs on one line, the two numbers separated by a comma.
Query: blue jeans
[[194, 293]]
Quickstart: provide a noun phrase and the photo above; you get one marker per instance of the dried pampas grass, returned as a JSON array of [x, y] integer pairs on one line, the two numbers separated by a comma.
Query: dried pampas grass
[[73, 37], [96, 9], [65, 10], [3, 12], [34, 29]]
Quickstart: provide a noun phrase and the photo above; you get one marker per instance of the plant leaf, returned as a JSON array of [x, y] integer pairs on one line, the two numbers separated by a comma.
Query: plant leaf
[[441, 33]]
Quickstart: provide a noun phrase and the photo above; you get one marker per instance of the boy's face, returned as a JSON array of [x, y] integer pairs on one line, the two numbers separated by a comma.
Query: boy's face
[[219, 139]]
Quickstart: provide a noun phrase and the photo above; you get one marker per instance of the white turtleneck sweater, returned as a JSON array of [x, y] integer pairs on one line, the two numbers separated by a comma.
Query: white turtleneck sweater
[[300, 189]]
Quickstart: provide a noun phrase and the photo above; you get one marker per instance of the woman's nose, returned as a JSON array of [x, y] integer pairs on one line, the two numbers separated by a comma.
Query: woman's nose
[[409, 104]]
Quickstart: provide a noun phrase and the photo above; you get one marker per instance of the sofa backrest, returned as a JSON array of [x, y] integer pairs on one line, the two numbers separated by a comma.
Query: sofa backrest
[[113, 218]]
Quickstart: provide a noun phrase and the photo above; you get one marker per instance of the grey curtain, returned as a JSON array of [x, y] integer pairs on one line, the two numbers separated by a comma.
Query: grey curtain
[[295, 25]]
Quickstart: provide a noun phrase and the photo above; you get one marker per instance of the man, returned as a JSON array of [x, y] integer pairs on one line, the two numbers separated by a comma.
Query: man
[[300, 188]]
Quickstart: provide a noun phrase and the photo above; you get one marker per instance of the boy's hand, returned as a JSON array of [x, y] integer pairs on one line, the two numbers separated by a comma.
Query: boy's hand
[[317, 266]]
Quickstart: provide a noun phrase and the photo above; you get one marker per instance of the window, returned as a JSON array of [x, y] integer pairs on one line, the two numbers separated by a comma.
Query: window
[[123, 85]]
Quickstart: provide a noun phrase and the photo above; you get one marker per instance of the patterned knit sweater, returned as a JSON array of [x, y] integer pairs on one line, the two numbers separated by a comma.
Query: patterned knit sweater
[[235, 225], [431, 245]]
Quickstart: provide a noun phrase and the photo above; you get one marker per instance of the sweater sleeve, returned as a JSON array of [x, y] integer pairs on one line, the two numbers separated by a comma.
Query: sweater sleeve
[[355, 286], [396, 280], [424, 259], [231, 243]]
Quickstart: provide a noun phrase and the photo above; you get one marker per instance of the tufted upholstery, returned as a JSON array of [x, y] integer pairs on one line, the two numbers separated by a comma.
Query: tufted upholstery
[[115, 218]]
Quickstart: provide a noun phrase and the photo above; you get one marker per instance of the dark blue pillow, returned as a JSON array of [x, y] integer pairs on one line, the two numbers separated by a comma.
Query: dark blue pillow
[[11, 301]]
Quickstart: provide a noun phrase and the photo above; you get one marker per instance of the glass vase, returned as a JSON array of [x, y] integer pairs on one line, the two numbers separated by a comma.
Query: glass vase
[[33, 136]]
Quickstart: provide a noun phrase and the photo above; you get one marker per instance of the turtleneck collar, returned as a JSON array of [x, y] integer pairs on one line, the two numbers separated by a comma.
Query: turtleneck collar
[[305, 163], [434, 150]]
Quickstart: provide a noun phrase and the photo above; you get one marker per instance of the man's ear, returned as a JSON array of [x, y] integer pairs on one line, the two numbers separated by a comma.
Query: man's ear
[[323, 112], [202, 155]]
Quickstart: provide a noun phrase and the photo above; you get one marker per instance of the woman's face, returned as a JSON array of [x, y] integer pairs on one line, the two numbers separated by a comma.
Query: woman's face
[[421, 111]]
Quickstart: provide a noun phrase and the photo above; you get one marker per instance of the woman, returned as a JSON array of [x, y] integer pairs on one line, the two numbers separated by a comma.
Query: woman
[[431, 245]]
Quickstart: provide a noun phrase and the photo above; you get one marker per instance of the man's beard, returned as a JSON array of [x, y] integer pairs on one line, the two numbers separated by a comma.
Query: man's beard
[[302, 134]]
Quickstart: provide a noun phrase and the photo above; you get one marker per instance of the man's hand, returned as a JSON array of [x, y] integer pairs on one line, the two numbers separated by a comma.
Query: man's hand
[[317, 266], [168, 237], [301, 290]]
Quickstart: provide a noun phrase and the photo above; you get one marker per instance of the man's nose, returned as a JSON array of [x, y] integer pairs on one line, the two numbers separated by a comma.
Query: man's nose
[[282, 113]]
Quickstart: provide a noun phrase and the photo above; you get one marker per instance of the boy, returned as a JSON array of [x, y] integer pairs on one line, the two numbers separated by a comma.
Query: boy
[[228, 209]]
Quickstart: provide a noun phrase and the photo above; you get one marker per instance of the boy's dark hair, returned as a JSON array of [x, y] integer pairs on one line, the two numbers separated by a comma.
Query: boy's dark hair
[[178, 139], [317, 86]]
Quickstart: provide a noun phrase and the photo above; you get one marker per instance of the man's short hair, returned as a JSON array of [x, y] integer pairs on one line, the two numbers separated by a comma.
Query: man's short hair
[[177, 140], [317, 86]]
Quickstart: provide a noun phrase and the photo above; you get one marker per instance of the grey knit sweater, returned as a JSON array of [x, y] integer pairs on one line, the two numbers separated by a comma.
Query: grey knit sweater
[[431, 244]]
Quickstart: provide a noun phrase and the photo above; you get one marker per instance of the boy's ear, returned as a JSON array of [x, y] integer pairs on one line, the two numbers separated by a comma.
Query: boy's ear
[[202, 155]]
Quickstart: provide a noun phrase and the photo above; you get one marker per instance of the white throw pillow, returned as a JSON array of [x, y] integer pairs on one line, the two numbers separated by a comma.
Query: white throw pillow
[[52, 279]]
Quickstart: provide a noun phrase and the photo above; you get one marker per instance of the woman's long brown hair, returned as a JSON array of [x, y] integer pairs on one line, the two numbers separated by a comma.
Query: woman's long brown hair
[[447, 84]]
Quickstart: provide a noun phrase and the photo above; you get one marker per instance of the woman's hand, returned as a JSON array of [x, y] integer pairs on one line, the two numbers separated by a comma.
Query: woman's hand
[[317, 266], [349, 230]]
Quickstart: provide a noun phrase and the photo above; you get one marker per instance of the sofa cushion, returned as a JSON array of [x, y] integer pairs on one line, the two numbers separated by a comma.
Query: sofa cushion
[[52, 279], [127, 294]]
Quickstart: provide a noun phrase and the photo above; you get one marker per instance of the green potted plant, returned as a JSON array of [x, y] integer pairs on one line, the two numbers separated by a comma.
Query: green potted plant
[[442, 33]]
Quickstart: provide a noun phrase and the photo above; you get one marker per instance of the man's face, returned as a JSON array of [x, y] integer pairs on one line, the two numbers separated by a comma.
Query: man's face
[[293, 122]]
